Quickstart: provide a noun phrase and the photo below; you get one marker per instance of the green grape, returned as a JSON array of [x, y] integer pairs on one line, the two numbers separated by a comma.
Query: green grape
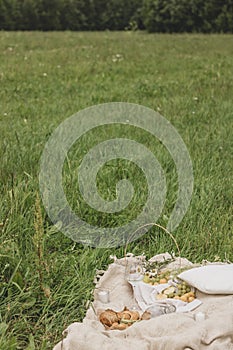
[[146, 279]]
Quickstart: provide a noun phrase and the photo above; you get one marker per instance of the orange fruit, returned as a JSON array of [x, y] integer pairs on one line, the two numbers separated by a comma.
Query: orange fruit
[[163, 281]]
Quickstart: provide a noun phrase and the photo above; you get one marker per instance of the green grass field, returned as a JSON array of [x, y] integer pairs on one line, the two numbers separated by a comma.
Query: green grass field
[[45, 278]]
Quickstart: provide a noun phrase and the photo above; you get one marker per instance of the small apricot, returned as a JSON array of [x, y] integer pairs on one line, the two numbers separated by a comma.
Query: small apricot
[[163, 281]]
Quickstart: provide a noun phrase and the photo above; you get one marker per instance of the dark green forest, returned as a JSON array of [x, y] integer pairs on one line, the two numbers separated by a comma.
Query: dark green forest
[[166, 16]]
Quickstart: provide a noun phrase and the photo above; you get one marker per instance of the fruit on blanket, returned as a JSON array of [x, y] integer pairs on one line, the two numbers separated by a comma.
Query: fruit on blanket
[[179, 289], [175, 293], [184, 298], [160, 296], [146, 279], [190, 299], [171, 295], [154, 277], [163, 281], [169, 290]]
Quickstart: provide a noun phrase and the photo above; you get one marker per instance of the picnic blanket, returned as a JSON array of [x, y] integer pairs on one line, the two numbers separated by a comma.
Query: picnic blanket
[[175, 331]]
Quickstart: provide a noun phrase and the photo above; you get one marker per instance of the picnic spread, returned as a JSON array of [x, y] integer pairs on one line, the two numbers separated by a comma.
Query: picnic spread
[[165, 303]]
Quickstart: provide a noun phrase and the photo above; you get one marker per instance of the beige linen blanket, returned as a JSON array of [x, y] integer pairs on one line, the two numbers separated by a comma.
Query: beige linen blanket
[[176, 331]]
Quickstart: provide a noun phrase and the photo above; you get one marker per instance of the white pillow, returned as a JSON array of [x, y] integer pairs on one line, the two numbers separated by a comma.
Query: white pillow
[[210, 279]]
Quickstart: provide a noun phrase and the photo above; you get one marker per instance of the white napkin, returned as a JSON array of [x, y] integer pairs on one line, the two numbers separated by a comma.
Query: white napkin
[[145, 293]]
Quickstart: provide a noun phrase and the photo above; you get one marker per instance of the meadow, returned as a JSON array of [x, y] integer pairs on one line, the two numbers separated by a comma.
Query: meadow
[[46, 279]]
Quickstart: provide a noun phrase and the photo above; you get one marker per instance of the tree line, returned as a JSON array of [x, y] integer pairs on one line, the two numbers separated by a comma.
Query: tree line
[[167, 16]]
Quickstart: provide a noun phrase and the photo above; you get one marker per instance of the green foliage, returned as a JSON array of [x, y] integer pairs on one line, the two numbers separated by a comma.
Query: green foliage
[[73, 15], [165, 16], [30, 15], [118, 14], [68, 14], [174, 16], [49, 14], [10, 14]]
